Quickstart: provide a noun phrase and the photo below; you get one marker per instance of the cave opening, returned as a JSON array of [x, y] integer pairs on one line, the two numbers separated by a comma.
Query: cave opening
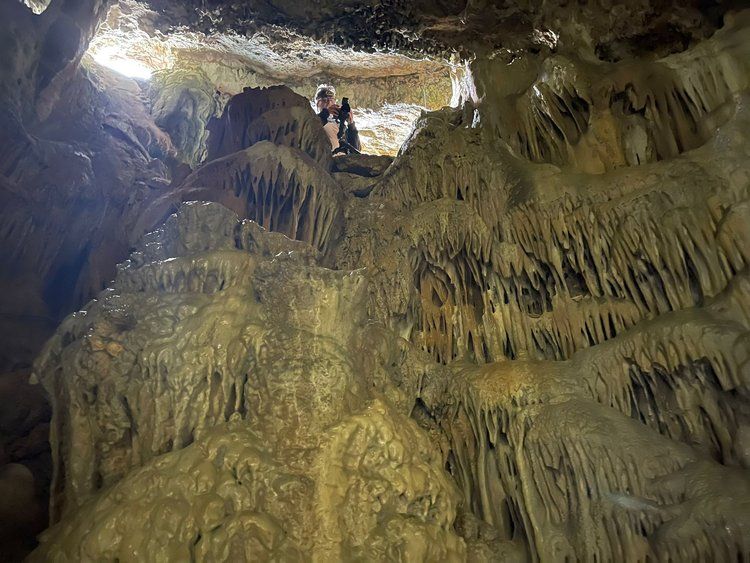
[[389, 91]]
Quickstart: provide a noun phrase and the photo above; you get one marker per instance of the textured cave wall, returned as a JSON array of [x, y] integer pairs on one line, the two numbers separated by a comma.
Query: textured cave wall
[[182, 103], [610, 31], [570, 344], [608, 302], [596, 116], [74, 162], [269, 411], [72, 185], [526, 338], [41, 51]]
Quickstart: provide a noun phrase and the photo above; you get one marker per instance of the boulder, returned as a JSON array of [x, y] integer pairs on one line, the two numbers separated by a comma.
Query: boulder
[[369, 165]]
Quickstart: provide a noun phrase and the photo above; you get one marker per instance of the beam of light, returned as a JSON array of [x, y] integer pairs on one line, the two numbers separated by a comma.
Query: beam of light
[[119, 63]]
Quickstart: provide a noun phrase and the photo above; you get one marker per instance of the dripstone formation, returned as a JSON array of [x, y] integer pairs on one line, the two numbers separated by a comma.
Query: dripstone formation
[[524, 338]]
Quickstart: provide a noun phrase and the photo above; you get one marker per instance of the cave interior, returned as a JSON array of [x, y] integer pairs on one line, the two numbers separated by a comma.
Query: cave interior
[[516, 328]]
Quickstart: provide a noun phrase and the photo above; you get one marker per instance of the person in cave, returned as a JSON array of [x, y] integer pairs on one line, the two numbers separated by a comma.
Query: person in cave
[[328, 111]]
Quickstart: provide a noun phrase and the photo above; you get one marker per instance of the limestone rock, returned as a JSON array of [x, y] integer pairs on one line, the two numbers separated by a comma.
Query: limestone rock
[[598, 117], [99, 159], [162, 404], [376, 491], [613, 31], [232, 132], [280, 187], [30, 411], [359, 186], [182, 104], [22, 511], [529, 340], [368, 165]]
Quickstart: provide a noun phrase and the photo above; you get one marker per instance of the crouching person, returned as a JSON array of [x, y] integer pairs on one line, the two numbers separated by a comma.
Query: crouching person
[[344, 136]]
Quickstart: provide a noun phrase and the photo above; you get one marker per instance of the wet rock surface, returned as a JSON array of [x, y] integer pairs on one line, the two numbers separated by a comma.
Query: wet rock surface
[[269, 470]]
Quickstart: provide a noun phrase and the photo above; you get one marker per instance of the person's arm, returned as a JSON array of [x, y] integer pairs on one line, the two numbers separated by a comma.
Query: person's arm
[[335, 108]]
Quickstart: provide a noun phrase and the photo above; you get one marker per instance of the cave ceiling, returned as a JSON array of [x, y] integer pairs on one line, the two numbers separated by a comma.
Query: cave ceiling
[[389, 89], [393, 59], [616, 29]]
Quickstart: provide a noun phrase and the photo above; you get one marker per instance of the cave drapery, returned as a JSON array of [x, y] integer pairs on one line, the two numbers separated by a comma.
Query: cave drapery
[[524, 337]]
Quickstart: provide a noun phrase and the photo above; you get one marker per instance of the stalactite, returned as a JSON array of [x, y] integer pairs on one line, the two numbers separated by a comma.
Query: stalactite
[[534, 333], [139, 420], [564, 278], [280, 187], [528, 470], [567, 270], [242, 382], [663, 383], [597, 117]]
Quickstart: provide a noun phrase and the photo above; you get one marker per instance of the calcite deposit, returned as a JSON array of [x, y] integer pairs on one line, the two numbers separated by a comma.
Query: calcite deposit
[[293, 456], [526, 337]]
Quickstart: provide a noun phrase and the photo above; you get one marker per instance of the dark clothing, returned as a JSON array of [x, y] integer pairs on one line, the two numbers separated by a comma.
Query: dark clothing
[[352, 136]]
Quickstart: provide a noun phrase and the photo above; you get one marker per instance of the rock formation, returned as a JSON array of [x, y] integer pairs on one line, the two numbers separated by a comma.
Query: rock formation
[[526, 337], [294, 454]]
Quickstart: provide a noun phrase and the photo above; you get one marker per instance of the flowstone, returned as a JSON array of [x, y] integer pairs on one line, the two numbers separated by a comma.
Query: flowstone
[[502, 344], [216, 392], [374, 490]]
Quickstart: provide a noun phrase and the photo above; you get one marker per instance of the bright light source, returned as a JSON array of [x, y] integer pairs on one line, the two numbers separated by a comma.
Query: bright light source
[[37, 6], [122, 64]]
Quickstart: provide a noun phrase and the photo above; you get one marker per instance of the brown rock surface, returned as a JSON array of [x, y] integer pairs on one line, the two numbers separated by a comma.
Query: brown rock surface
[[368, 165], [357, 185]]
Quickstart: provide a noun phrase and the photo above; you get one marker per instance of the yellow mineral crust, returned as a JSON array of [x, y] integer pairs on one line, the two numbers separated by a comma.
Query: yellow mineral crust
[[374, 490], [600, 436], [527, 337]]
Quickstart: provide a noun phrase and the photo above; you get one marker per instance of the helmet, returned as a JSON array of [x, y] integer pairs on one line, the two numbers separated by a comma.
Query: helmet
[[325, 91]]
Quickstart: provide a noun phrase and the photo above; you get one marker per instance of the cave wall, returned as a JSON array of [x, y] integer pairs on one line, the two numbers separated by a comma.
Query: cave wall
[[74, 162]]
